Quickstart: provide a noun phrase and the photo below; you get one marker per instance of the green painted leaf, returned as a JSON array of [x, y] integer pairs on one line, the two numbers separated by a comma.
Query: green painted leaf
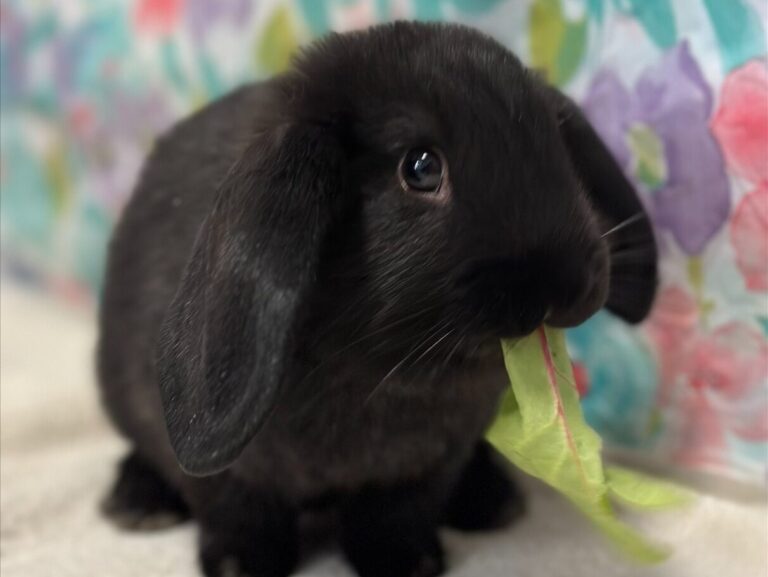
[[697, 281], [172, 67], [557, 45], [59, 179], [571, 51], [763, 322], [541, 429], [648, 151], [278, 42], [547, 28]]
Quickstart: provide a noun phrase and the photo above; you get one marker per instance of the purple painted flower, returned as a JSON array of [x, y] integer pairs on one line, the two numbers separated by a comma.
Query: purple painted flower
[[114, 144], [660, 135], [608, 105], [200, 15], [13, 71]]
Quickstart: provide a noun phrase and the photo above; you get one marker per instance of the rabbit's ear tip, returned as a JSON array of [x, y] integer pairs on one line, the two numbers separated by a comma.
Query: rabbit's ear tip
[[210, 445], [202, 462]]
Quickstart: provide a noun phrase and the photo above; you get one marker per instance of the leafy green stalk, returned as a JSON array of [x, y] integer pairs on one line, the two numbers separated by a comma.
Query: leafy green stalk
[[541, 429]]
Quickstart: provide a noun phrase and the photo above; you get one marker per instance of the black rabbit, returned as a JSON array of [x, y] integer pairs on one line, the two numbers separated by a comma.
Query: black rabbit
[[306, 292]]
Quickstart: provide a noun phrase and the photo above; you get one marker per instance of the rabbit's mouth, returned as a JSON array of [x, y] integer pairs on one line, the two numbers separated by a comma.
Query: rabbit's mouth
[[511, 297]]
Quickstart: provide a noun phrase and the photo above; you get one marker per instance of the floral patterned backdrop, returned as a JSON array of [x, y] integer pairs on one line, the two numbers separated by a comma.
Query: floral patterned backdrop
[[679, 90]]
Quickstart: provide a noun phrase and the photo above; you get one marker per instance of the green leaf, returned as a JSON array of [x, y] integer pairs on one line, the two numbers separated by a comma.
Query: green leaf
[[541, 429], [625, 538], [648, 150], [642, 491], [538, 427], [277, 43]]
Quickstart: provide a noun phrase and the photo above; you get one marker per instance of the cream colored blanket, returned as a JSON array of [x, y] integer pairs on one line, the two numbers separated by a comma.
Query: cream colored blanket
[[58, 456]]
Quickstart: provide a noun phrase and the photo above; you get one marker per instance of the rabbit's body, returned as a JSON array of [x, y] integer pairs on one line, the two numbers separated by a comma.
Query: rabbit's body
[[304, 310], [313, 443]]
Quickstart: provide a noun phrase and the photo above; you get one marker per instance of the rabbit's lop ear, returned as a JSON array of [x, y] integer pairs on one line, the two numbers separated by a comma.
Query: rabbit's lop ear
[[634, 274], [226, 338]]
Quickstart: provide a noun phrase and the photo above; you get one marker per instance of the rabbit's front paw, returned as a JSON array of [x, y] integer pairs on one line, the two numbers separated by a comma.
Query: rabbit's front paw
[[395, 554], [141, 500], [245, 555], [393, 533], [246, 533]]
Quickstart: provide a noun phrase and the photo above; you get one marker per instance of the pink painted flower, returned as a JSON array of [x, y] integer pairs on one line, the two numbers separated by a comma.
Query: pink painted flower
[[723, 393], [741, 121], [671, 329], [712, 382], [749, 236], [753, 424], [158, 16], [741, 126], [731, 361], [701, 440], [355, 17]]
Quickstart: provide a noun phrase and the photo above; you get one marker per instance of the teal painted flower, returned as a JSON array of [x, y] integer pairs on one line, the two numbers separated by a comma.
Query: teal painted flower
[[88, 59], [738, 30], [622, 374], [656, 16], [317, 13], [92, 231], [436, 9], [29, 211]]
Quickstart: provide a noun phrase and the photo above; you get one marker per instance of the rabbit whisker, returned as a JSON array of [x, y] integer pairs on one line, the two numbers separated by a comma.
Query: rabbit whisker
[[625, 223], [385, 328], [437, 342], [434, 330], [453, 350]]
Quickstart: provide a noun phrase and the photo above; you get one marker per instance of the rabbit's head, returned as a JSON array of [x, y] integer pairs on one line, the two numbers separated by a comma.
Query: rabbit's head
[[412, 183]]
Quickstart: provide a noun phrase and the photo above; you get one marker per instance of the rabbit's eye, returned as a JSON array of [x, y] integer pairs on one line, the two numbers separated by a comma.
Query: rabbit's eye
[[421, 170]]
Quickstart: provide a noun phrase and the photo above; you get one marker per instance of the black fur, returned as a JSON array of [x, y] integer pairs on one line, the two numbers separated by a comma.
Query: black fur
[[279, 311], [393, 530], [141, 499], [484, 496], [245, 531]]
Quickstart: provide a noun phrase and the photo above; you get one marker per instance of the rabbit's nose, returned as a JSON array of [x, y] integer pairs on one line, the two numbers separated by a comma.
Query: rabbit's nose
[[582, 298]]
